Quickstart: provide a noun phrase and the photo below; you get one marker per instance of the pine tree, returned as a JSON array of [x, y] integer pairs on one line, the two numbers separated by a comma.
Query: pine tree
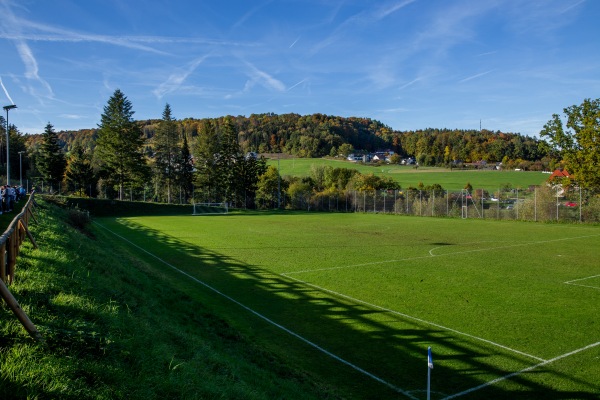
[[166, 153], [51, 160], [229, 162], [185, 170], [79, 174], [206, 152], [119, 145]]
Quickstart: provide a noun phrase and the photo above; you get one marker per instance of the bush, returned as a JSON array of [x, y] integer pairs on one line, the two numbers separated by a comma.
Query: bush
[[78, 218]]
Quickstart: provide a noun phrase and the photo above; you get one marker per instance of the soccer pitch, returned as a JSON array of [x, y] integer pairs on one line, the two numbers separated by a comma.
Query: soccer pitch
[[510, 309]]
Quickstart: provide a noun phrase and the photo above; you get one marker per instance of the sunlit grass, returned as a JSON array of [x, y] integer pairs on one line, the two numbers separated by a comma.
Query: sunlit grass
[[377, 290]]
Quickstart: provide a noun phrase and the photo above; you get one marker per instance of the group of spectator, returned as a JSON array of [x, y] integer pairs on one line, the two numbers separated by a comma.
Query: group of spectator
[[10, 195]]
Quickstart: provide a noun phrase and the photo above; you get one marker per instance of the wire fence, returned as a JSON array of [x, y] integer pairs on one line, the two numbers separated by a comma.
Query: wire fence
[[538, 203]]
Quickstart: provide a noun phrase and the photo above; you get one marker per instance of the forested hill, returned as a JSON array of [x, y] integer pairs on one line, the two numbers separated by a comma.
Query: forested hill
[[319, 135]]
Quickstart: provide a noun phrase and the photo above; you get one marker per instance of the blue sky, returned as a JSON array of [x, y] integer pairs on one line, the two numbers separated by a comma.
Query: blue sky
[[411, 64]]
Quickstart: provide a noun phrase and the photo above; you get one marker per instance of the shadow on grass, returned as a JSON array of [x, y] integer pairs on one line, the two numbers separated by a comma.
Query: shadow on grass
[[381, 354]]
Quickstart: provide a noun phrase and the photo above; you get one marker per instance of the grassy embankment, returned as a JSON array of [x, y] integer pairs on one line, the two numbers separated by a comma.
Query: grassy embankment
[[115, 328]]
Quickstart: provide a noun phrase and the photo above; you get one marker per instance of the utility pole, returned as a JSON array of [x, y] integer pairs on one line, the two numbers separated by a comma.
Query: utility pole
[[10, 107]]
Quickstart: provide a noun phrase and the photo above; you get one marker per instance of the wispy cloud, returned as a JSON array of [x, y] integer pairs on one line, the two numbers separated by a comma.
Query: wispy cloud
[[297, 84], [364, 18], [295, 41], [572, 6], [470, 78], [6, 92], [386, 10], [262, 78], [73, 116], [176, 79], [410, 83], [32, 70]]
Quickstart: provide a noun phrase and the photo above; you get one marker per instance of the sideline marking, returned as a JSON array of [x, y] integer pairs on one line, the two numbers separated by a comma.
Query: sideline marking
[[502, 378], [416, 319], [270, 321], [583, 279]]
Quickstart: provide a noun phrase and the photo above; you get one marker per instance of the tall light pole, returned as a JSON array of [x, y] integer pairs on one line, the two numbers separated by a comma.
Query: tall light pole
[[7, 143], [21, 168]]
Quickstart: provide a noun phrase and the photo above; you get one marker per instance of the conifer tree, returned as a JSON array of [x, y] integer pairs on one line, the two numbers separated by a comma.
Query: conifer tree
[[229, 161], [206, 152], [166, 153], [119, 145], [51, 161], [79, 174], [185, 170]]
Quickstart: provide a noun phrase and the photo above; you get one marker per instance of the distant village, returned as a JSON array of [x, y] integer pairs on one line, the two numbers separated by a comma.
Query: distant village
[[387, 156]]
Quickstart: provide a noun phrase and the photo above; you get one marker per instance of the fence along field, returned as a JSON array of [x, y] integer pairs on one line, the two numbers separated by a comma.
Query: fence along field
[[510, 309]]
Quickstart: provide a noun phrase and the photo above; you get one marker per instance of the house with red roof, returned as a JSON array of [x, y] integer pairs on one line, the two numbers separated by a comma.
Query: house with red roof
[[559, 174]]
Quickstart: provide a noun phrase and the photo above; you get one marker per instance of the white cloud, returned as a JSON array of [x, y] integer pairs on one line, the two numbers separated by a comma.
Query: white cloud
[[177, 78], [262, 78]]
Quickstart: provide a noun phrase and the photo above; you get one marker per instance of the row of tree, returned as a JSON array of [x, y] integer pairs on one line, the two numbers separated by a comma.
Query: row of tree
[[209, 159], [123, 160]]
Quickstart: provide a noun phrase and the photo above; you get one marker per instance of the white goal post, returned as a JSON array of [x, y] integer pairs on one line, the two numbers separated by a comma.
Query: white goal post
[[210, 208]]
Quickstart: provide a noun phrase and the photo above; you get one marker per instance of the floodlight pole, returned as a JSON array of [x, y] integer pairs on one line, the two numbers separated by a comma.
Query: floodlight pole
[[10, 107], [21, 168]]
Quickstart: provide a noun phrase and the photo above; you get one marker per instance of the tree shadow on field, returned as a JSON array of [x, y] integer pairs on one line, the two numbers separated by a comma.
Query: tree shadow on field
[[381, 354]]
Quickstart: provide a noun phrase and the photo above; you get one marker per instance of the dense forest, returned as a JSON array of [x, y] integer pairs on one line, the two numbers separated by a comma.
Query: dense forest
[[321, 135]]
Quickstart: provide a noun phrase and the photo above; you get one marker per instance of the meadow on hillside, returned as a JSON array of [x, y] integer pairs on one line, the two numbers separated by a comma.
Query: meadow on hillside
[[408, 176]]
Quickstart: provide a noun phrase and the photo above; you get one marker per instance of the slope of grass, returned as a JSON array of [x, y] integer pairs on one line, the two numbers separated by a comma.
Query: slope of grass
[[115, 328], [408, 176]]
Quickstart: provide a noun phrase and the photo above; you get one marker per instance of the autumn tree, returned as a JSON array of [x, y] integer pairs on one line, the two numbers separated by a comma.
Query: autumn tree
[[578, 141], [119, 147]]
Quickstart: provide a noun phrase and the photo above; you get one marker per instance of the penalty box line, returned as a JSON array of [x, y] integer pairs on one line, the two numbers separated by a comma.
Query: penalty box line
[[264, 318], [422, 321], [524, 370], [583, 279], [484, 385]]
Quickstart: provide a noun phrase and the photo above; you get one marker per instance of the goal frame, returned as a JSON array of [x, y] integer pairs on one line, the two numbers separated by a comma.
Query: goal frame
[[220, 208]]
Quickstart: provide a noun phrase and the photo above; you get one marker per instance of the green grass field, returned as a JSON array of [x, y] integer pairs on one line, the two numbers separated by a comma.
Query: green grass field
[[509, 309], [408, 176]]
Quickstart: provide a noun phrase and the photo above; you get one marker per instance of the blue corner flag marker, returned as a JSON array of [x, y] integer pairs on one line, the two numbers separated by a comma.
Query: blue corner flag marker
[[429, 358], [430, 365]]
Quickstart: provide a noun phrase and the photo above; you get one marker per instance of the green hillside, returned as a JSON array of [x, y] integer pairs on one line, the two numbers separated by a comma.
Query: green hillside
[[117, 328], [408, 176]]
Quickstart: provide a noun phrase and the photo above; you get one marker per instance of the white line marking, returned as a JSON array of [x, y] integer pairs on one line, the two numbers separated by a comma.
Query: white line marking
[[494, 381], [270, 321], [416, 319], [440, 255], [583, 279]]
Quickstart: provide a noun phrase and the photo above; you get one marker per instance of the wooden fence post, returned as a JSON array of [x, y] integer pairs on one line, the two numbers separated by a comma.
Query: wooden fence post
[[10, 243], [3, 262], [20, 314]]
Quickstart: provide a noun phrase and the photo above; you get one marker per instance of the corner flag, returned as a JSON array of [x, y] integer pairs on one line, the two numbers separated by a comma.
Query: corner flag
[[429, 358], [430, 365]]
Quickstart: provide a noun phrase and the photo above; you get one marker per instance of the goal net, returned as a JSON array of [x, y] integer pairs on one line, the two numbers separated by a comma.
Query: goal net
[[210, 208]]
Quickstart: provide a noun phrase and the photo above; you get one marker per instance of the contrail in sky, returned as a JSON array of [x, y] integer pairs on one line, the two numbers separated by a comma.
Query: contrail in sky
[[6, 92]]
